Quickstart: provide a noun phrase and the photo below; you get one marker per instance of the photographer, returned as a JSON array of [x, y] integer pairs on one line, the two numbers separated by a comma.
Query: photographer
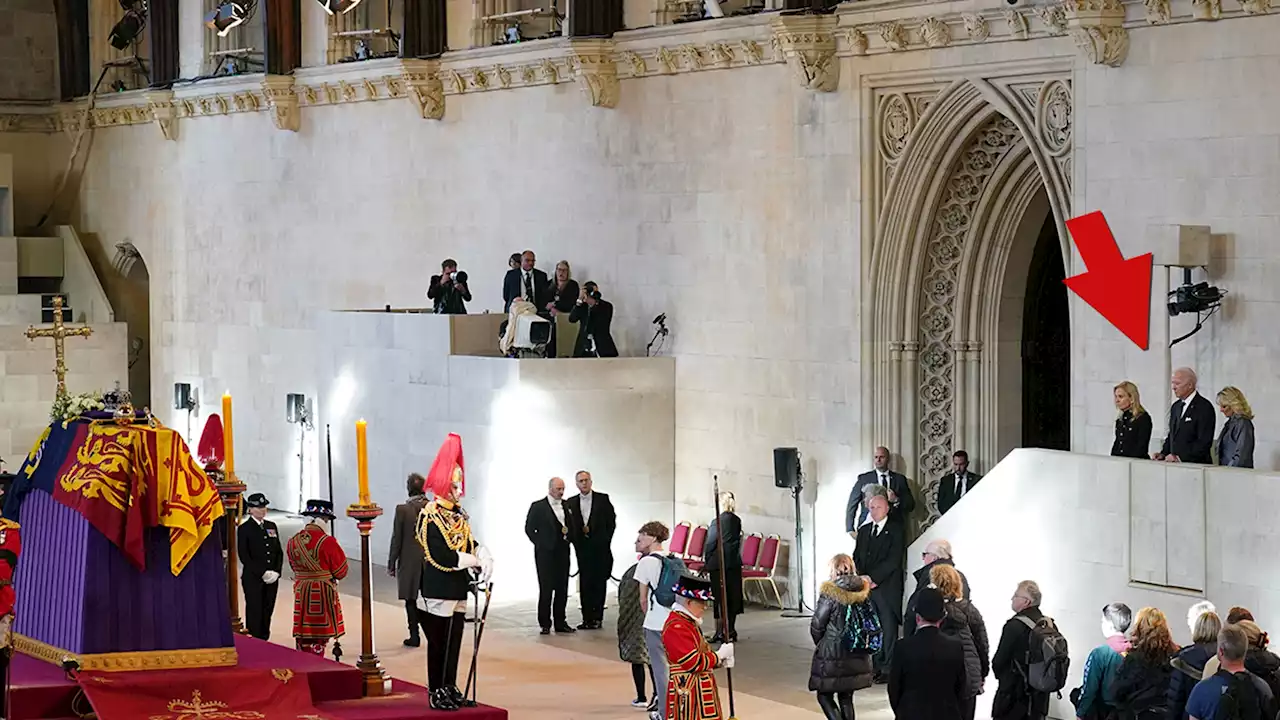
[[594, 315], [449, 291]]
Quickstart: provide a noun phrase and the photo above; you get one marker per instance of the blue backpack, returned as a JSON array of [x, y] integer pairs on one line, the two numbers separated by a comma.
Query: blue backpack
[[862, 631], [672, 568]]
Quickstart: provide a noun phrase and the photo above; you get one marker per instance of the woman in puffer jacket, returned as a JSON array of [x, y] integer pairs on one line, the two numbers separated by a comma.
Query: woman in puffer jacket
[[1259, 660], [1188, 664], [1142, 682], [964, 622], [837, 671]]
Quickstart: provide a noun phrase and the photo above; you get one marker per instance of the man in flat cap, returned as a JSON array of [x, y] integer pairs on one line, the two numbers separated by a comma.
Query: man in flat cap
[[262, 557]]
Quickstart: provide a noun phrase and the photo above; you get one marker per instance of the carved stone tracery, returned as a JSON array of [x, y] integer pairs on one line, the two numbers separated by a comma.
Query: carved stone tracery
[[948, 236], [808, 44]]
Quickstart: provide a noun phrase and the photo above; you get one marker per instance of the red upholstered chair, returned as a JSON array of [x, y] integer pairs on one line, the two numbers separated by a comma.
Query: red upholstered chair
[[763, 573], [751, 550], [693, 555], [679, 538]]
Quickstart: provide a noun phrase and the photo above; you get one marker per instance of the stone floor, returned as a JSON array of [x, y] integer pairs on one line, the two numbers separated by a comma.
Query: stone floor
[[579, 676]]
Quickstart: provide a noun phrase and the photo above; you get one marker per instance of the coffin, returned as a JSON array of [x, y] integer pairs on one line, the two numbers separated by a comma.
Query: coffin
[[121, 567]]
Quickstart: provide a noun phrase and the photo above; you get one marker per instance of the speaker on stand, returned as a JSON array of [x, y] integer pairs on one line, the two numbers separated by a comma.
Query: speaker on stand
[[787, 474]]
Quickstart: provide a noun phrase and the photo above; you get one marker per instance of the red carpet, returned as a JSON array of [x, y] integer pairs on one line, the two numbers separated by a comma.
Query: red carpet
[[40, 691]]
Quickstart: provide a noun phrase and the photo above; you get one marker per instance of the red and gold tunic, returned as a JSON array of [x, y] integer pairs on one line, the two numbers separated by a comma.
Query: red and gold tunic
[[691, 691], [318, 564]]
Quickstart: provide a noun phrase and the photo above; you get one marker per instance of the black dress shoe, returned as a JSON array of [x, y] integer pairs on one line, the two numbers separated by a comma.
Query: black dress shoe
[[412, 642], [458, 698], [544, 631], [717, 638], [589, 626], [441, 699], [565, 629]]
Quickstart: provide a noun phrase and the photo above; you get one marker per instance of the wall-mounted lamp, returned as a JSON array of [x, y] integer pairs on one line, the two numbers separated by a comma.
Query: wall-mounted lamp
[[185, 397]]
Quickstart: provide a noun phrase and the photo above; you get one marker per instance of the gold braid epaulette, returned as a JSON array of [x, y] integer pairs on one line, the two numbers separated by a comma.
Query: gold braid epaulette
[[454, 527]]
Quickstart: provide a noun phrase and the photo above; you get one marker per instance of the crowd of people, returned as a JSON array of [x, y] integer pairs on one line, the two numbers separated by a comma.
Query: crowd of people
[[1191, 426], [530, 290]]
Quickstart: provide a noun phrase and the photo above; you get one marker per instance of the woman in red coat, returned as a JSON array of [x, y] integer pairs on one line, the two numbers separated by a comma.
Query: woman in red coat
[[692, 693]]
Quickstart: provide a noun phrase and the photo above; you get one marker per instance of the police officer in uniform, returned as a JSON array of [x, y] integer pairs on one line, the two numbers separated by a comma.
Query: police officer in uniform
[[258, 545]]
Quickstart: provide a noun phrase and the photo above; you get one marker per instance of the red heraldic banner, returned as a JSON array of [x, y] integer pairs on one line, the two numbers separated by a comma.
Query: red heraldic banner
[[224, 693]]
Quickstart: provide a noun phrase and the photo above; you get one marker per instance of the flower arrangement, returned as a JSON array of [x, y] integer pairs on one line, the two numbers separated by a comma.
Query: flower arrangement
[[69, 407]]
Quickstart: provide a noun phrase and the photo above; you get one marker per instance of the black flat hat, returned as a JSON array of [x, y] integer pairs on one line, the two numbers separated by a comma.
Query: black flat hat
[[319, 509]]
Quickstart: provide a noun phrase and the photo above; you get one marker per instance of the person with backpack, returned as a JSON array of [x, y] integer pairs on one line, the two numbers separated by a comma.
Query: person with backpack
[[657, 574], [1031, 660], [846, 632], [964, 623], [1095, 699], [1188, 664], [1232, 693], [1142, 682]]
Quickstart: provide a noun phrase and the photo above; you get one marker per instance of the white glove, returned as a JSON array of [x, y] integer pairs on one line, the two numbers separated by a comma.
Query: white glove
[[270, 577], [725, 653], [466, 561], [486, 563]]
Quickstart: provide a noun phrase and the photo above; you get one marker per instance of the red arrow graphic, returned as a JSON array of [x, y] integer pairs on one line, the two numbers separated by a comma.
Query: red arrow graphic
[[1119, 289]]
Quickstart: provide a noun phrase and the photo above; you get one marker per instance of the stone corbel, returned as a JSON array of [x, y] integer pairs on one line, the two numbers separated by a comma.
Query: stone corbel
[[808, 44], [164, 112], [596, 71], [422, 77], [282, 101], [1097, 27]]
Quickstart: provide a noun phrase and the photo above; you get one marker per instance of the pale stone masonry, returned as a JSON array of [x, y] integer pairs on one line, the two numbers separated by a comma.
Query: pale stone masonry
[[742, 186]]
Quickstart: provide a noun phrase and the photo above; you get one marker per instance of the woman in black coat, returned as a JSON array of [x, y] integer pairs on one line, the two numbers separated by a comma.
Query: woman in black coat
[[1141, 684], [732, 537], [1235, 444], [1188, 664], [1133, 425], [837, 671], [964, 622]]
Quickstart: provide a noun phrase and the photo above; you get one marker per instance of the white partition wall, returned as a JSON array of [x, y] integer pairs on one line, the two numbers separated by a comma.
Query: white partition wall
[[521, 422], [1092, 530]]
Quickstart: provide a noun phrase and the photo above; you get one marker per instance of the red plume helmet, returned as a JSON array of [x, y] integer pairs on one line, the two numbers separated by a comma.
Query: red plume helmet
[[212, 447], [447, 467]]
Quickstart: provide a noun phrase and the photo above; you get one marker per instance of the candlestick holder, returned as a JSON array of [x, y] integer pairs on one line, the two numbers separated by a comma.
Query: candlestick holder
[[230, 489], [376, 681]]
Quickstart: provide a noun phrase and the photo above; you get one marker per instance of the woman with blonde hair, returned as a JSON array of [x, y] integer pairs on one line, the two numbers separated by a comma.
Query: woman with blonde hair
[[844, 629], [1235, 444], [1189, 663], [1142, 682], [1133, 424], [964, 622]]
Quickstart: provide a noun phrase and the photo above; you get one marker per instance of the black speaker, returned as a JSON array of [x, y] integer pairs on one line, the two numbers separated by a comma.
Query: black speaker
[[786, 467]]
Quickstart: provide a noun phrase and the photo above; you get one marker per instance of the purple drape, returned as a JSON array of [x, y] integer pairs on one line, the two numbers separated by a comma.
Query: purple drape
[[76, 591]]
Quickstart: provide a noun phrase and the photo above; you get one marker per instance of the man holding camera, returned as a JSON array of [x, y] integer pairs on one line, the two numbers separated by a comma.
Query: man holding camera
[[449, 291], [593, 315]]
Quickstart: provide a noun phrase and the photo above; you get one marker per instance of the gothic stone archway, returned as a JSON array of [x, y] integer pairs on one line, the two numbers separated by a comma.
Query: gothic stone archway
[[964, 171]]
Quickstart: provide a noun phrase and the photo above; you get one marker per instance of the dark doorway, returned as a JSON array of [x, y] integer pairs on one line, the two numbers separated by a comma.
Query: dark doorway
[[1046, 347]]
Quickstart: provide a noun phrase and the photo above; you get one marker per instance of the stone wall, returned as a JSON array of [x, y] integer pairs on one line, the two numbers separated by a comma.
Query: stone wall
[[28, 50], [730, 199]]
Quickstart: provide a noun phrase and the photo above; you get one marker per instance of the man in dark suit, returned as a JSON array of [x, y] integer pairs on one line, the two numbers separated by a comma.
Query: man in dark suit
[[956, 485], [262, 557], [593, 315], [404, 562], [1191, 423], [548, 527], [927, 678], [901, 501], [593, 521], [880, 556], [526, 282]]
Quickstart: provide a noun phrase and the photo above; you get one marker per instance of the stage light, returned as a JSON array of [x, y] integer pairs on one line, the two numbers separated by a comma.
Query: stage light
[[230, 15], [127, 30], [339, 7]]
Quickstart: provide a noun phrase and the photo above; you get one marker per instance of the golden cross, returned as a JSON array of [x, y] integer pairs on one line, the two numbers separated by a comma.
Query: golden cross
[[59, 332]]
